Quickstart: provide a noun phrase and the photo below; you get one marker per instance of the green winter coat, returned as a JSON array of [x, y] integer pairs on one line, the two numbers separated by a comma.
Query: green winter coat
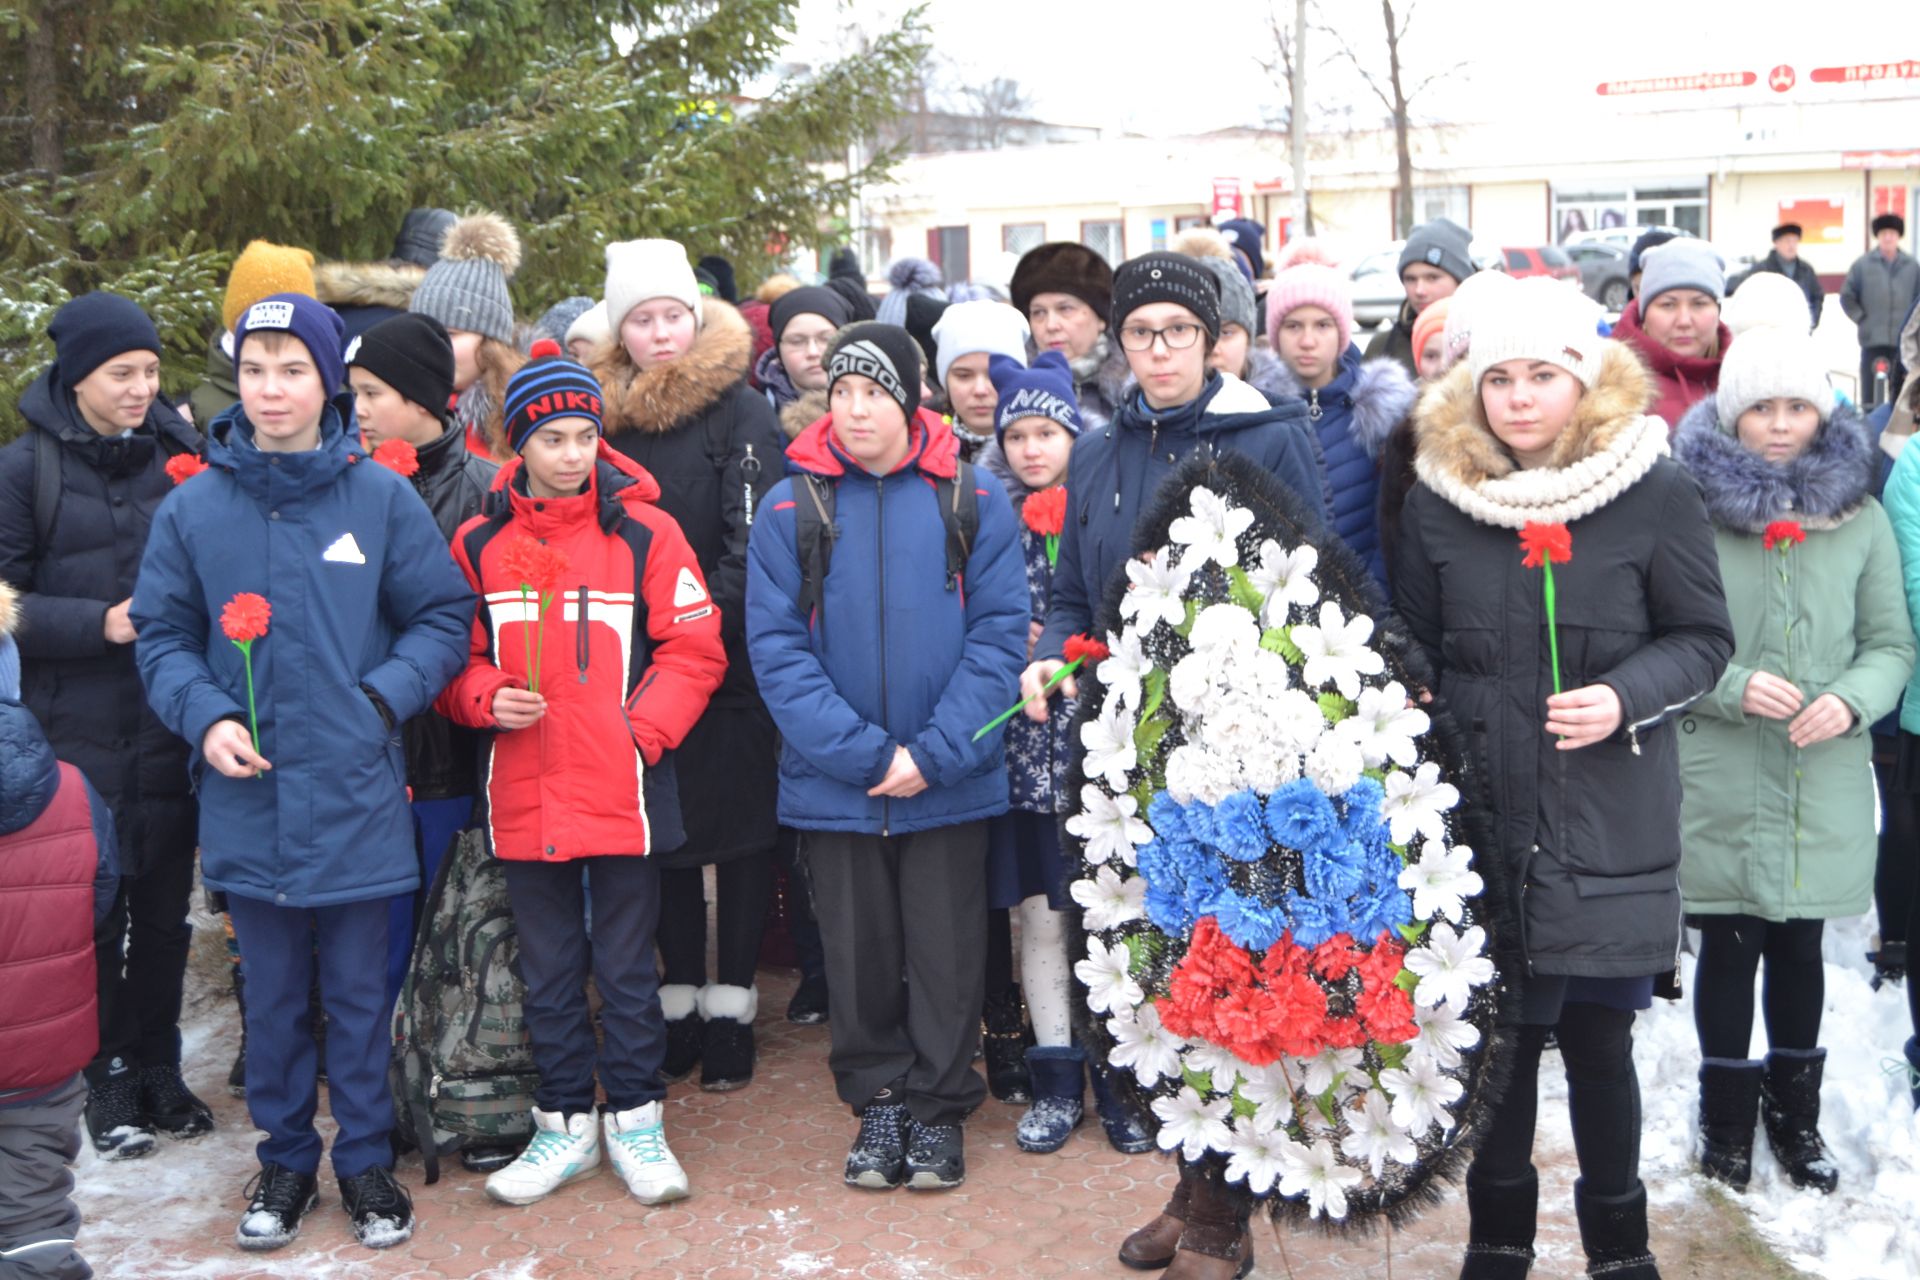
[[1770, 830]]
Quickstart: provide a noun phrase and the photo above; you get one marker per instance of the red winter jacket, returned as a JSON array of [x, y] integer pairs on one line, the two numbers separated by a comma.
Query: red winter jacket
[[628, 685], [49, 1026], [1683, 381]]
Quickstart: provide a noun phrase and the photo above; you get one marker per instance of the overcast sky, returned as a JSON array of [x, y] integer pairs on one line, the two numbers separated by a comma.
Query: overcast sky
[[1087, 64]]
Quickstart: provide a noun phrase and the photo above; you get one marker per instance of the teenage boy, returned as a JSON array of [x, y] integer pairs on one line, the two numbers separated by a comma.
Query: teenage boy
[[968, 335], [877, 687], [580, 767], [303, 823], [1437, 257]]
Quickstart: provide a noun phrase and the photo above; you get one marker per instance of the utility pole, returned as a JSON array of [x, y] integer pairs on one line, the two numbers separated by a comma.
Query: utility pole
[[1297, 121]]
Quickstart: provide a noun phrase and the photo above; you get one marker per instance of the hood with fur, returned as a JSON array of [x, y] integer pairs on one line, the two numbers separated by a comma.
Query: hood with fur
[[1823, 487], [1380, 393], [802, 412], [661, 398], [367, 284], [1609, 445]]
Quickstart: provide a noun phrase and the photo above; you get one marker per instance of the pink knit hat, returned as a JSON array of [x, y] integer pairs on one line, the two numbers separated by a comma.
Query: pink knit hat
[[1308, 278]]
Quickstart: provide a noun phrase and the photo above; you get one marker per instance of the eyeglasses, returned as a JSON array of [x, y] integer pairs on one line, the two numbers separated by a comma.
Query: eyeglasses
[[798, 343], [1178, 336]]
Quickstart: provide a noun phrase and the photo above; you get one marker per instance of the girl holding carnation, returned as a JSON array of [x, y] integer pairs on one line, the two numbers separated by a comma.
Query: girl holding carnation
[[1542, 432], [1779, 813]]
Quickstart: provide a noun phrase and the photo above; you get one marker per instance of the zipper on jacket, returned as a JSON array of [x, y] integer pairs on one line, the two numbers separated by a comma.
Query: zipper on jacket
[[1633, 730], [581, 642], [880, 576], [1313, 404], [1526, 883], [749, 468]]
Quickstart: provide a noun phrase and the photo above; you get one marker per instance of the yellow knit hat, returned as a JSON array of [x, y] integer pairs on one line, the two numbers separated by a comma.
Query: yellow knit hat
[[262, 270]]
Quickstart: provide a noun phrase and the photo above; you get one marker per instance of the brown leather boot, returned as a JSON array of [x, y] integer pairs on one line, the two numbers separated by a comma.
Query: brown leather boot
[[1152, 1246], [1216, 1244]]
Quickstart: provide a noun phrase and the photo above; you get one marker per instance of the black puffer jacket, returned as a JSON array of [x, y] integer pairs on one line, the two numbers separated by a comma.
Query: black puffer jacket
[[1591, 837], [85, 692]]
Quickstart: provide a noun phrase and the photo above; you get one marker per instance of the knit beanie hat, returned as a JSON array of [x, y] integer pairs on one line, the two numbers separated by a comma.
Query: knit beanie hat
[[1063, 267], [467, 288], [1477, 293], [316, 324], [558, 318], [860, 303], [1442, 243], [1166, 277], [1244, 234], [1211, 250], [641, 270], [923, 314], [590, 324], [721, 270], [549, 386], [1766, 299], [413, 355], [968, 328], [1309, 279], [1682, 263], [1426, 325], [1538, 318], [1044, 390], [909, 278], [92, 329], [884, 352], [261, 270], [1647, 243], [1769, 364], [808, 300], [422, 232]]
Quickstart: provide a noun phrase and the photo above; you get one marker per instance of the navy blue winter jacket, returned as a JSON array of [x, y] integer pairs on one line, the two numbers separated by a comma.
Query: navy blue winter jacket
[[893, 658], [364, 596]]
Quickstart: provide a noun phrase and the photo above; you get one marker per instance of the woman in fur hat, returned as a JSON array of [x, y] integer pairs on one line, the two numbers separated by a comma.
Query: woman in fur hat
[[678, 403], [1543, 430], [1065, 291], [466, 290], [1779, 813]]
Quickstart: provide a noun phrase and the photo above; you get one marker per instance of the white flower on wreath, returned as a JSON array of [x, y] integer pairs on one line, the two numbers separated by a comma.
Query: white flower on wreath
[[1384, 726], [1449, 965], [1108, 738], [1295, 720], [1110, 825], [1108, 975], [1196, 773], [1124, 667], [1266, 1087], [1285, 578], [1193, 1124], [1145, 1047], [1193, 684], [1374, 1137], [1443, 1034], [1337, 651], [1220, 1064], [1108, 901], [1440, 880], [1335, 765], [1214, 528], [1158, 590], [1269, 770], [1223, 631], [1421, 1094], [1257, 1155], [1415, 802], [1316, 1172], [1326, 1067]]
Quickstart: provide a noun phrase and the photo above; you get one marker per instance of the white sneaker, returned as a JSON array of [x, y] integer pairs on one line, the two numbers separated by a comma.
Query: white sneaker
[[563, 1150], [637, 1141]]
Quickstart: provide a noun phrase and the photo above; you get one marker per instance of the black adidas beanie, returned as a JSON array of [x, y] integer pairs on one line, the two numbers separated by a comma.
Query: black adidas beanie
[[884, 352], [1166, 277], [412, 354]]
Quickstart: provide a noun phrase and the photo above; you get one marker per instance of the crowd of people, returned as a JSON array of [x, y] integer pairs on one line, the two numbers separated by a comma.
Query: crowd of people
[[674, 579]]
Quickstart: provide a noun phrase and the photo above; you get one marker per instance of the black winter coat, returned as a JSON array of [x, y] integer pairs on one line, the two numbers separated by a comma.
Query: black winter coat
[[84, 691], [1591, 838], [714, 445], [1396, 341]]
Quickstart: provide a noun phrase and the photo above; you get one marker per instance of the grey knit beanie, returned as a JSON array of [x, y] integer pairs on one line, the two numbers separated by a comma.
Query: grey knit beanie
[[467, 288], [1681, 263], [1442, 243]]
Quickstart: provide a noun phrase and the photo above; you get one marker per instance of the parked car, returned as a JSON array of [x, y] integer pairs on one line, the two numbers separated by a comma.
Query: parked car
[[1623, 237], [1603, 273], [1377, 291], [1521, 261]]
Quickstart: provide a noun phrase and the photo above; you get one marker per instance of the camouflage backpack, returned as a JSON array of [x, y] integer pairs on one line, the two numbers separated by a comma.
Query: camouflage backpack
[[462, 1069]]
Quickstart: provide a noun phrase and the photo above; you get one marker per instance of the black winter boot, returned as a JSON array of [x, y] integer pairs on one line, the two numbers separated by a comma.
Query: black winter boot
[[171, 1107], [1614, 1231], [1125, 1131], [1729, 1109], [237, 1073], [1500, 1217], [726, 1051], [686, 1031], [1790, 1108], [1059, 1086], [117, 1124], [809, 1005], [1005, 1038]]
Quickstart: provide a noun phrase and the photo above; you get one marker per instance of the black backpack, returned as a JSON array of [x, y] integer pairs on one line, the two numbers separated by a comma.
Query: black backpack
[[46, 483]]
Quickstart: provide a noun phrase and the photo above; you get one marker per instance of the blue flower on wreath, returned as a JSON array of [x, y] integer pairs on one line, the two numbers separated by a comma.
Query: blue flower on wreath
[[1382, 910], [1166, 897], [1247, 922], [1240, 827], [1300, 816], [1168, 817], [1363, 824], [1334, 870], [1316, 919]]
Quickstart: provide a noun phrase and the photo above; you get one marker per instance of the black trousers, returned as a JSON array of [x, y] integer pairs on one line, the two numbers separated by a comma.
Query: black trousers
[[903, 921], [1603, 1100], [744, 887], [1896, 375], [1794, 989], [140, 949], [1896, 877]]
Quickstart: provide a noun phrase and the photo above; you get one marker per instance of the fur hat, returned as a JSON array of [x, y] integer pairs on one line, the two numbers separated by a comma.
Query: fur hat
[[467, 288], [885, 353], [1063, 267], [1213, 252], [967, 328], [262, 270], [1772, 363], [1308, 283], [1166, 277], [1766, 299], [1442, 243], [1681, 263], [1890, 222], [1786, 229], [1538, 318], [641, 270]]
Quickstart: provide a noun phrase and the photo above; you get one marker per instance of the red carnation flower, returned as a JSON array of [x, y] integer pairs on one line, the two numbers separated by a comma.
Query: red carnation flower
[[398, 456], [1045, 512], [1784, 534], [1546, 543], [533, 564], [244, 618], [183, 467], [1085, 649]]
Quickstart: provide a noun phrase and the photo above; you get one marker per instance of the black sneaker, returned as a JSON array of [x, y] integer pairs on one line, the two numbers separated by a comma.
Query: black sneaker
[[381, 1209], [116, 1122], [936, 1157], [809, 1004], [878, 1160], [171, 1106], [487, 1159], [277, 1199]]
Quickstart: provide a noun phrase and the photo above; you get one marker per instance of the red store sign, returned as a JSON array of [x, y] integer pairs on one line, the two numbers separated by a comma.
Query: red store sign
[[1677, 84], [1863, 72]]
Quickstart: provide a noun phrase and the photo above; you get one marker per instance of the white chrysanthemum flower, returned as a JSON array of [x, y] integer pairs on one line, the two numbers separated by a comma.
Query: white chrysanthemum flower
[[1193, 1124], [1194, 772], [1315, 1171], [1108, 738], [1213, 529], [1267, 771], [1107, 973], [1449, 965], [1335, 765], [1257, 1155], [1110, 825], [1375, 1138], [1415, 802], [1296, 721], [1220, 1064], [1440, 880], [1421, 1094], [1443, 1034], [1337, 651], [1109, 901], [1144, 1047], [1384, 726], [1285, 578], [1328, 1066], [1265, 674], [1224, 632], [1193, 684], [1158, 590], [1124, 667]]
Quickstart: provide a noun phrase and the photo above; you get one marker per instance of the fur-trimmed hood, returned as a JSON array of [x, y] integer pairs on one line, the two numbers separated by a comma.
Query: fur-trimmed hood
[[1825, 486], [1379, 392], [367, 284], [1609, 444], [661, 398], [803, 411]]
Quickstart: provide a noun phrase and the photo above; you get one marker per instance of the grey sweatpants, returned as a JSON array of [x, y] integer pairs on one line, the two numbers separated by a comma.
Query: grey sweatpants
[[38, 1218], [903, 920]]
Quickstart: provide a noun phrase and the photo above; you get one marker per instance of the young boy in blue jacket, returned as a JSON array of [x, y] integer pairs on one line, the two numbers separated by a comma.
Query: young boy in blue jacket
[[877, 693], [306, 830]]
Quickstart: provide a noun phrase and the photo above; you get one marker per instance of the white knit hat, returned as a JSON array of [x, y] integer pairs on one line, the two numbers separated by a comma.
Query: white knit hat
[[591, 324], [1772, 363], [1766, 299], [1538, 318], [1477, 294], [966, 328], [640, 270]]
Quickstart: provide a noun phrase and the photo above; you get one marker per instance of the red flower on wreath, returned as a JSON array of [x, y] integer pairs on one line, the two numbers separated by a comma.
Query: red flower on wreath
[[183, 467], [1783, 534], [245, 617], [398, 456], [1546, 544]]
